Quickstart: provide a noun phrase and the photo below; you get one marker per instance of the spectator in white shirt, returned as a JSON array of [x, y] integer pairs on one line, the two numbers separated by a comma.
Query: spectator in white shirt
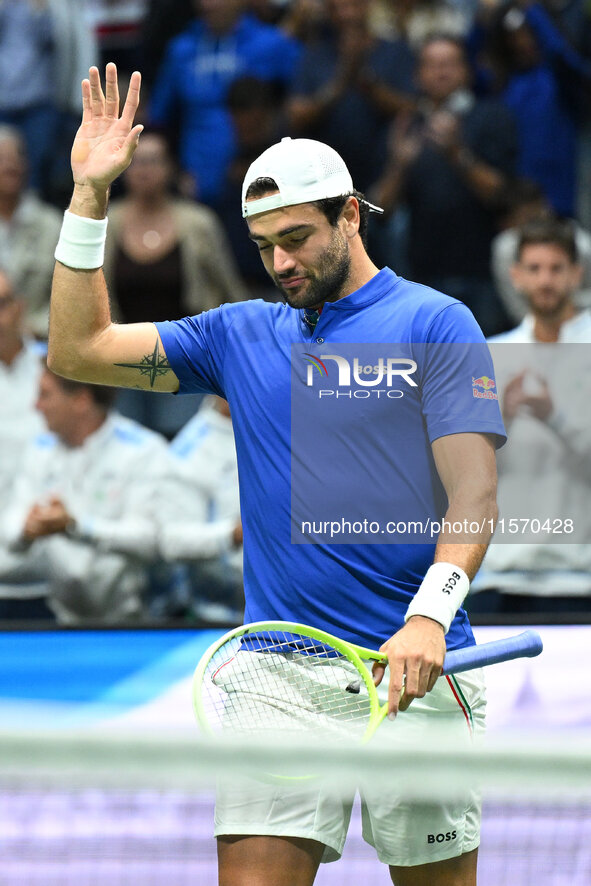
[[20, 368], [544, 384], [200, 516], [85, 503], [524, 202], [29, 231]]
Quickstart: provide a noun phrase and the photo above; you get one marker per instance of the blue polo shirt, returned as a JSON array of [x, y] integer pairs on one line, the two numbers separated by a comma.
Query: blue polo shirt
[[246, 352]]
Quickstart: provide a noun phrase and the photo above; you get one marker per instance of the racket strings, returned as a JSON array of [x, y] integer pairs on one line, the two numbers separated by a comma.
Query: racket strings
[[284, 682]]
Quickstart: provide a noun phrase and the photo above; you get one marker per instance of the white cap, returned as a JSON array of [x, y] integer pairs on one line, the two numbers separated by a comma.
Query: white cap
[[305, 170]]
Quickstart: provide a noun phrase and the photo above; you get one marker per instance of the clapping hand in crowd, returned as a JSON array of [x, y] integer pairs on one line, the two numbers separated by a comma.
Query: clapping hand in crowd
[[530, 392], [46, 518], [443, 129], [406, 140]]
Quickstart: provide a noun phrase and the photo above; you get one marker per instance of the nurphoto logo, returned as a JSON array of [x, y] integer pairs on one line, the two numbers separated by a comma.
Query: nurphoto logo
[[384, 372]]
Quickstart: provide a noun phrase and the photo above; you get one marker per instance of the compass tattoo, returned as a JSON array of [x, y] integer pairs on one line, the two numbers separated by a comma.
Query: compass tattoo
[[151, 365]]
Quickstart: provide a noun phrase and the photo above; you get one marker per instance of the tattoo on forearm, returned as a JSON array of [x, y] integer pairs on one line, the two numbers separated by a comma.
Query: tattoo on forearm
[[151, 365]]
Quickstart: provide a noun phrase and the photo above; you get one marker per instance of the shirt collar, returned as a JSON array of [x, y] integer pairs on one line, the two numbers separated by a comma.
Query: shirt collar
[[98, 438], [566, 330], [376, 288]]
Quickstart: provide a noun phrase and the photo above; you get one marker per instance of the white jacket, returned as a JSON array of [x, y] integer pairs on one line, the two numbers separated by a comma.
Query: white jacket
[[19, 420], [199, 513], [27, 244], [109, 485], [545, 467]]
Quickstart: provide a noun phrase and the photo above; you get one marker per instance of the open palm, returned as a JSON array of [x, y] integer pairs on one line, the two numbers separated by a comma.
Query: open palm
[[105, 142]]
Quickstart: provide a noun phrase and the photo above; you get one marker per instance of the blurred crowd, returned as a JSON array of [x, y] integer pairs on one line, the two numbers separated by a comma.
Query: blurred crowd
[[468, 121]]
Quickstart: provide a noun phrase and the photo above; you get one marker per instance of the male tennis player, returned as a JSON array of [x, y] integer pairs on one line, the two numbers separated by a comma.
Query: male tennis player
[[304, 216]]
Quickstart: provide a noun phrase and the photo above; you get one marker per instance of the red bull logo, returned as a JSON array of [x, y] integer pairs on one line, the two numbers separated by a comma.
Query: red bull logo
[[487, 384]]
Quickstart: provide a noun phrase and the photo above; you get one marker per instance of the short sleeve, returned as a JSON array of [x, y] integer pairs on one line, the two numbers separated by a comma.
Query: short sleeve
[[456, 371], [196, 348]]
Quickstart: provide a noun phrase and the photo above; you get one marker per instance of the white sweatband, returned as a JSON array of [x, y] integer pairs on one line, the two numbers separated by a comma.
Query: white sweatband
[[441, 594], [82, 242]]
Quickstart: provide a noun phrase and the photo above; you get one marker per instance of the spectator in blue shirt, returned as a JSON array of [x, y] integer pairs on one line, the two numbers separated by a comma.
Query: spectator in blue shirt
[[46, 47], [190, 91], [540, 77]]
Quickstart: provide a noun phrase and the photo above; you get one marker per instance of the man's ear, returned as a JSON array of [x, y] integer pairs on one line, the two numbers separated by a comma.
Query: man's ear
[[351, 216]]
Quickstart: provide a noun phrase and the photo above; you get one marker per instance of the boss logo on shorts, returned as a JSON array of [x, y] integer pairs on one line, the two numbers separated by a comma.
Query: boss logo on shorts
[[442, 838]]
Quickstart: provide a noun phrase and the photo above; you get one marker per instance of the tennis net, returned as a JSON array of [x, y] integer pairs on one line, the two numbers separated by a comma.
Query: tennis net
[[79, 808]]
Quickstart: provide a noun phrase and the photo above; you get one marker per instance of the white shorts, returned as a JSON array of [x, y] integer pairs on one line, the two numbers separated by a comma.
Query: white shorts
[[403, 833]]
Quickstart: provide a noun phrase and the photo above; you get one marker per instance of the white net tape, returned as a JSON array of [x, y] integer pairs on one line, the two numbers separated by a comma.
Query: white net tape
[[77, 808], [525, 767]]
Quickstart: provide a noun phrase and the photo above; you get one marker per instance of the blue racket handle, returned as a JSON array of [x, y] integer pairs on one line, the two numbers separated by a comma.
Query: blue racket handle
[[527, 644]]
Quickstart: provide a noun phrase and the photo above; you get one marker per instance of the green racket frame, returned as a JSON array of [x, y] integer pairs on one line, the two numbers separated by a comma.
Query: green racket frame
[[349, 651], [527, 644]]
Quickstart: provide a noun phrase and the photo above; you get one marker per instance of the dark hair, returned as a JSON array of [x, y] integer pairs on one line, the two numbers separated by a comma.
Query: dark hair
[[103, 396], [554, 232], [330, 207]]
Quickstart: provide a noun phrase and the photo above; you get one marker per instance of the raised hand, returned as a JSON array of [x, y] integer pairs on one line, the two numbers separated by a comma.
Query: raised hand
[[105, 142]]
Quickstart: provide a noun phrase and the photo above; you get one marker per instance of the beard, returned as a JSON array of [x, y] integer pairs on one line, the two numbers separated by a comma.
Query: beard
[[549, 303], [326, 282]]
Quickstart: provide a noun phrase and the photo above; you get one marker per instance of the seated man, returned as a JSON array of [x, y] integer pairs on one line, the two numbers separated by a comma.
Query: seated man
[[20, 369], [84, 503], [203, 532]]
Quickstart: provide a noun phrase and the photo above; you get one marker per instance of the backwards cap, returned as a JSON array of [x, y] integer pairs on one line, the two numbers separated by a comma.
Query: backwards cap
[[305, 170]]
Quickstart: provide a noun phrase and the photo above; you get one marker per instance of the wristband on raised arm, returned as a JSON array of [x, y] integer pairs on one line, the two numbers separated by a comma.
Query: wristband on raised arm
[[81, 244]]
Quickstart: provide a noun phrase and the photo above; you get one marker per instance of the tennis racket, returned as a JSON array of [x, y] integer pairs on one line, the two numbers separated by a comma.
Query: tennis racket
[[276, 676]]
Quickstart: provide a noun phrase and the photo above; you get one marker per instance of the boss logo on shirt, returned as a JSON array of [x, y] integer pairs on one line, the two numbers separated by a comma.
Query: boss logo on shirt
[[442, 838]]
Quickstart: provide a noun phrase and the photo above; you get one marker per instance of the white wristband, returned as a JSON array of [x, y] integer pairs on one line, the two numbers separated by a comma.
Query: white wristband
[[441, 594], [82, 242]]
